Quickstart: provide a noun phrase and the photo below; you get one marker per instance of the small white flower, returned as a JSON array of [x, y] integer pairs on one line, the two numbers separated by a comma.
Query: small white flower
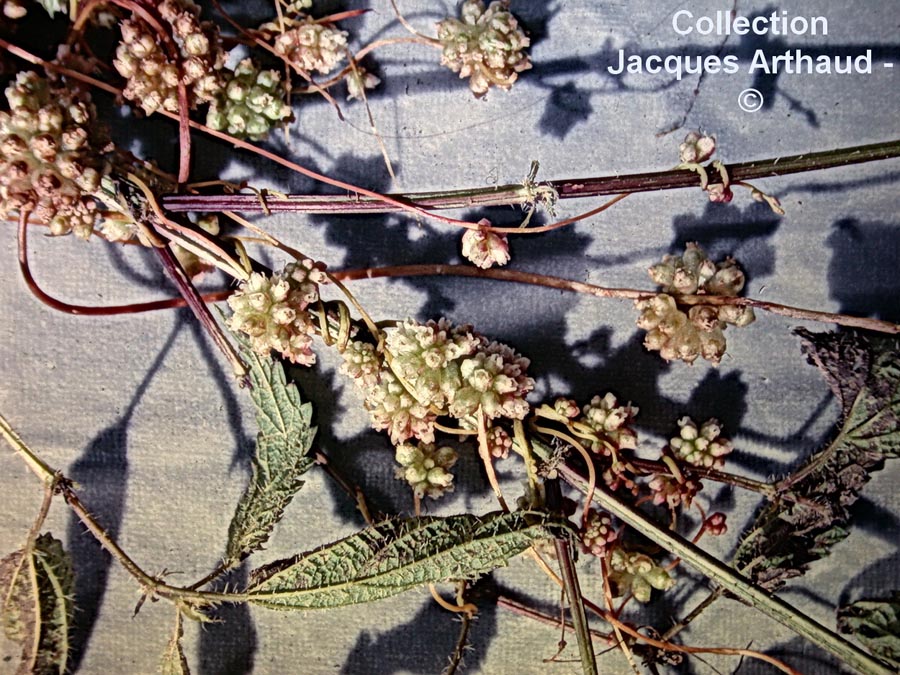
[[485, 248]]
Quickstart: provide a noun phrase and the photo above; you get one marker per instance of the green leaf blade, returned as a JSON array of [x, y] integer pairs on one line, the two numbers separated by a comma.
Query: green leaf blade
[[281, 457], [395, 556], [37, 606], [56, 589]]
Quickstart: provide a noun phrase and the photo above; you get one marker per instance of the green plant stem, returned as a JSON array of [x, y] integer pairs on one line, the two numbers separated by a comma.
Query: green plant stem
[[573, 589], [39, 467], [519, 194], [731, 580]]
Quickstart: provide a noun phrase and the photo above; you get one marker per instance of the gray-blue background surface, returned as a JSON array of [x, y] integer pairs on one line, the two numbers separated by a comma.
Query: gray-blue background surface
[[142, 413]]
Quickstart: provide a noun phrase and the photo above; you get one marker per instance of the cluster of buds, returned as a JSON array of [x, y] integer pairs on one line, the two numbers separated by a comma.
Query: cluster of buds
[[358, 79], [393, 409], [436, 369], [426, 357], [694, 273], [311, 45], [611, 424], [698, 147], [702, 447], [499, 442], [636, 573], [620, 476], [426, 468], [493, 379], [484, 44], [598, 533], [699, 331], [48, 163], [251, 103], [153, 74], [485, 248], [673, 491], [271, 311]]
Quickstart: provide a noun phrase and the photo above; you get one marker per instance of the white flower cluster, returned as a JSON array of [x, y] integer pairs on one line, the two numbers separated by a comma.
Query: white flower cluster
[[251, 103], [426, 468], [703, 447], [484, 44], [48, 158], [611, 424], [312, 46], [699, 332], [485, 248], [434, 369], [152, 76], [271, 311]]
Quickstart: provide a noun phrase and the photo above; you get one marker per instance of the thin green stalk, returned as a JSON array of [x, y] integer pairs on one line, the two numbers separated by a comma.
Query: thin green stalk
[[38, 466], [731, 580], [573, 590]]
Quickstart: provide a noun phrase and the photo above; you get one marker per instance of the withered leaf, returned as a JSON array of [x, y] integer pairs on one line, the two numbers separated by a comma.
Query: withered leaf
[[811, 513], [875, 623]]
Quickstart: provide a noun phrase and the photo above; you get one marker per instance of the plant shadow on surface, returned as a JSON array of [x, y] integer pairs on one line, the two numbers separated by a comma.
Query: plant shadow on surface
[[401, 649], [102, 470]]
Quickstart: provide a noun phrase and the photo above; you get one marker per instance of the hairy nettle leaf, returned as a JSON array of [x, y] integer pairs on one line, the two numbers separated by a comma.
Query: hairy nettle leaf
[[811, 513], [394, 556], [875, 623], [281, 457], [37, 605]]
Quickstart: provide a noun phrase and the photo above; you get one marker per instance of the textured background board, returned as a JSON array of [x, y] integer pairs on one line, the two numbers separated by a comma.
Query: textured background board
[[142, 413]]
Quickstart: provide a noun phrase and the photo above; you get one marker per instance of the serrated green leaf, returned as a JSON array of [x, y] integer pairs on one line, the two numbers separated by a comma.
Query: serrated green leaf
[[811, 514], [56, 589], [284, 439], [19, 611], [37, 605], [173, 660], [395, 556], [875, 623]]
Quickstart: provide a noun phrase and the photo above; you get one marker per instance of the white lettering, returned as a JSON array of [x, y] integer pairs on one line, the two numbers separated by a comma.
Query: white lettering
[[612, 69], [741, 25], [705, 25], [675, 27], [817, 23]]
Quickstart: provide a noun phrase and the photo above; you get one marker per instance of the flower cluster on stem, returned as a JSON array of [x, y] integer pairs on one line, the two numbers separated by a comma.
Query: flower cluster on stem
[[677, 334], [703, 446], [49, 156], [152, 76], [435, 369], [485, 44], [426, 468], [636, 573], [272, 311]]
